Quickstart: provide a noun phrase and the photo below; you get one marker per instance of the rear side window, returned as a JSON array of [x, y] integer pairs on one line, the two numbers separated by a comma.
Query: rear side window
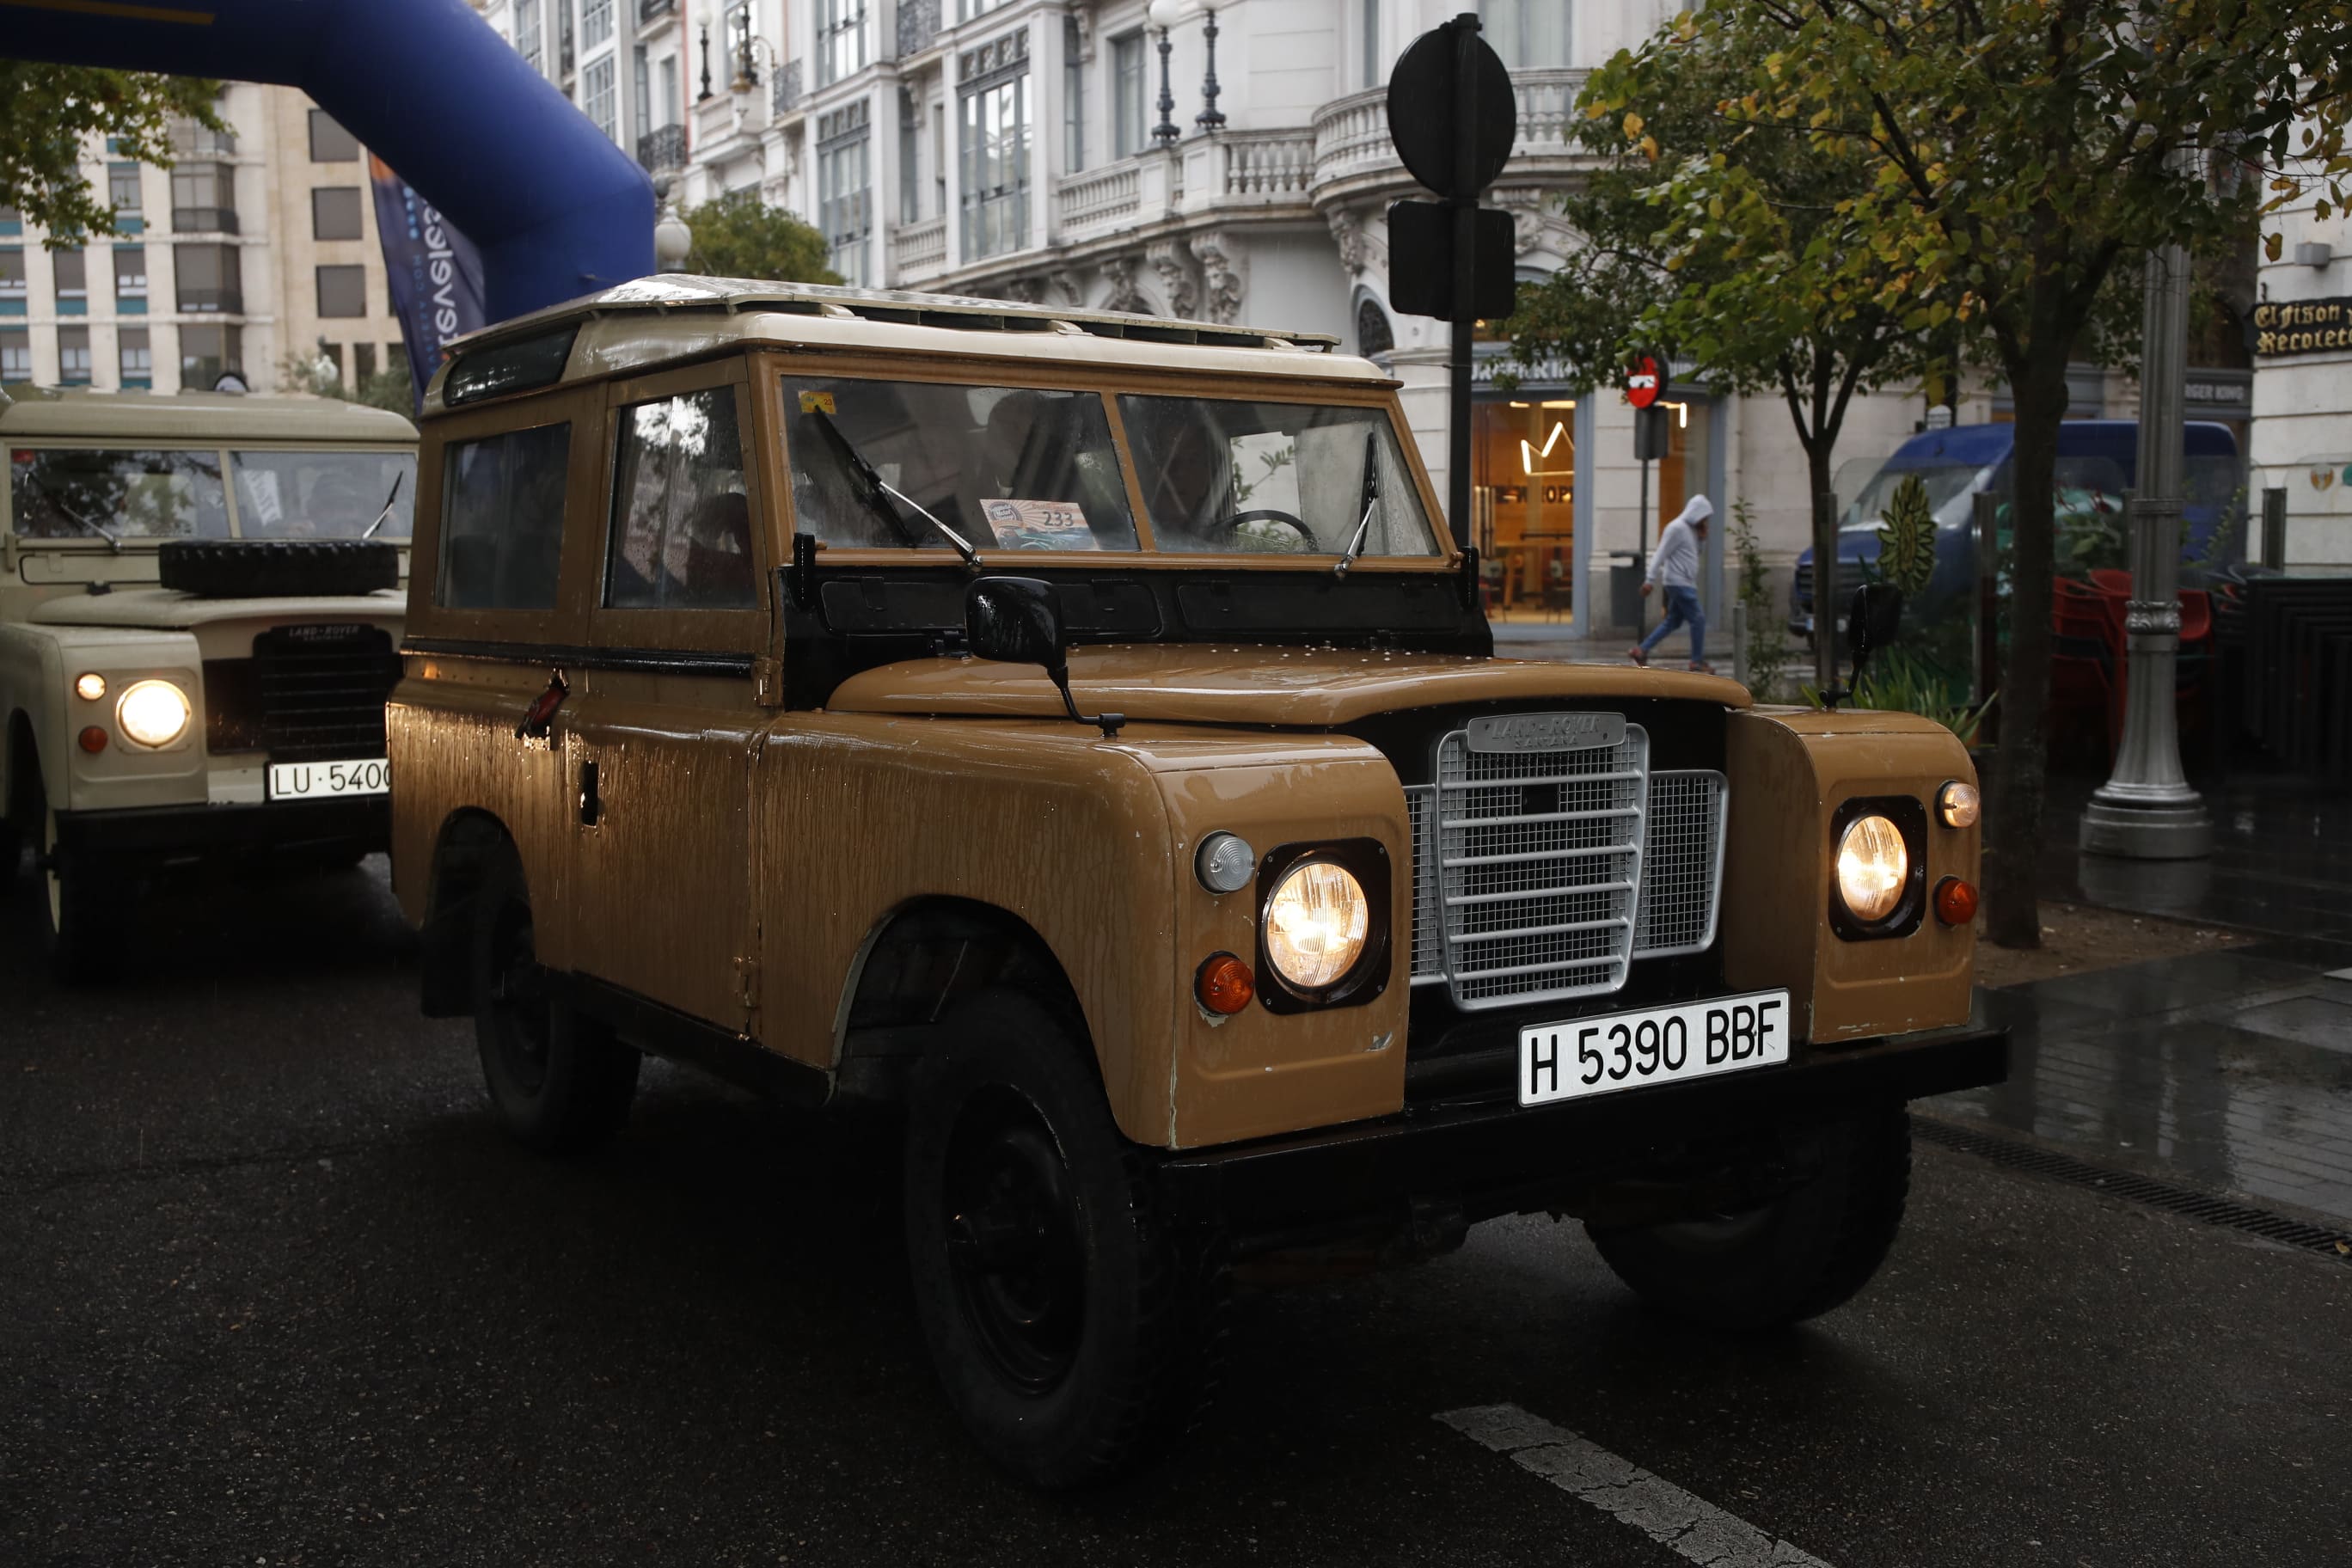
[[681, 535], [61, 493], [502, 520]]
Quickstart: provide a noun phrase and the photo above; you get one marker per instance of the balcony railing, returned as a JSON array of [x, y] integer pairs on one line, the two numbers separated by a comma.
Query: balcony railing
[[786, 94], [1099, 200], [918, 251], [1267, 168], [1351, 134], [650, 11], [662, 149], [227, 302], [204, 220]]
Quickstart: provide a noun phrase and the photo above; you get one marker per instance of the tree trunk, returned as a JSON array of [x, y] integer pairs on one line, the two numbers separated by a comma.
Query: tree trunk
[[2014, 829], [1826, 613]]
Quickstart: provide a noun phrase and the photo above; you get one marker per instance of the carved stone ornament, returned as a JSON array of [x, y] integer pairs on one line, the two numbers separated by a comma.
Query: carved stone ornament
[[1526, 210], [1119, 271], [1348, 234], [1173, 262], [1022, 291], [1063, 286], [1226, 267]]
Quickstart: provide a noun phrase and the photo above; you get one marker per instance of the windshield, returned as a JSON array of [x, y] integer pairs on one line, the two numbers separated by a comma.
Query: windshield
[[1946, 482], [324, 495], [86, 493], [1006, 468], [1283, 479]]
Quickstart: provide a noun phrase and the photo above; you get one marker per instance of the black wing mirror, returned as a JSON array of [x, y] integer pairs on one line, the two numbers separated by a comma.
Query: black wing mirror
[[1018, 620], [1872, 616]]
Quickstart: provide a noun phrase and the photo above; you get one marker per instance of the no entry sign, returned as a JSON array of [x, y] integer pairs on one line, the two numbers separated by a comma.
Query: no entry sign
[[1641, 382]]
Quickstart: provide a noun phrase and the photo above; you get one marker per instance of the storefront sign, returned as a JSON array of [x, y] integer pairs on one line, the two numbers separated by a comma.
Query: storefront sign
[[2284, 327]]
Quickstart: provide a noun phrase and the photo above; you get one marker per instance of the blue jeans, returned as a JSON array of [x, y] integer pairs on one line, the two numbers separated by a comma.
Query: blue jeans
[[1682, 609]]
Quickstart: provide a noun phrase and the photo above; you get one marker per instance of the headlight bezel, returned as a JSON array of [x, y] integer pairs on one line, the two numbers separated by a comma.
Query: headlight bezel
[[179, 737], [1362, 858], [1909, 815]]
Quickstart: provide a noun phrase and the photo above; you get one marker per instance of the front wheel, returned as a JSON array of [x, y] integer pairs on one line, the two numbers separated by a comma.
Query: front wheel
[[84, 906], [1796, 1257], [1068, 1329], [557, 1079]]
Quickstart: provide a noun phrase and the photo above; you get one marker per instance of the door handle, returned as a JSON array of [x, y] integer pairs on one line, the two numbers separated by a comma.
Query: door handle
[[591, 806], [541, 711]]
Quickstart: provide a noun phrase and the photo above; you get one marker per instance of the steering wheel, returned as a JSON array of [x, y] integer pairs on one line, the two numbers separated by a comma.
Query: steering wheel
[[1296, 525]]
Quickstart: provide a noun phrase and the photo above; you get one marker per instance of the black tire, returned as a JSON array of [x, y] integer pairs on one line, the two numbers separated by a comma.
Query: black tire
[[277, 568], [1795, 1257], [560, 1082], [83, 901], [1069, 1330]]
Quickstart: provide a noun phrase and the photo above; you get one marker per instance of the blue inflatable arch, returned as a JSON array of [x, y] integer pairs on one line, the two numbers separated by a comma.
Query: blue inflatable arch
[[555, 209]]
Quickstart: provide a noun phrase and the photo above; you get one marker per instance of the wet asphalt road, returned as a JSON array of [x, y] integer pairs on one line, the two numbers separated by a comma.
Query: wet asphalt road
[[272, 1290]]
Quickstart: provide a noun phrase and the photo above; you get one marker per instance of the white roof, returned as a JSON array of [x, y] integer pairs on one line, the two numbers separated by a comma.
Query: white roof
[[217, 418]]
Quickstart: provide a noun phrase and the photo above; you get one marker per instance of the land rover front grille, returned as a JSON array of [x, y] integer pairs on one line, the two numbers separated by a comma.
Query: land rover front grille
[[1540, 874], [309, 693]]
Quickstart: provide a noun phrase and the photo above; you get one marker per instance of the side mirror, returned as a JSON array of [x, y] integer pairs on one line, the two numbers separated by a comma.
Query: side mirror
[[1018, 620], [1873, 620]]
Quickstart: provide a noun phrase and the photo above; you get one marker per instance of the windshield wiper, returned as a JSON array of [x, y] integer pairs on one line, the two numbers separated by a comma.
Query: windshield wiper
[[1371, 498], [390, 496], [58, 501], [873, 489]]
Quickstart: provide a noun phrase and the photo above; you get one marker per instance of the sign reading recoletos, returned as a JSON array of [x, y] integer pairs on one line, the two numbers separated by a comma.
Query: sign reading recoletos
[[2304, 326]]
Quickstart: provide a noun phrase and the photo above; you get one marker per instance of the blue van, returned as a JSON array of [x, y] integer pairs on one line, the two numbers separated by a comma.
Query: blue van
[[2097, 460]]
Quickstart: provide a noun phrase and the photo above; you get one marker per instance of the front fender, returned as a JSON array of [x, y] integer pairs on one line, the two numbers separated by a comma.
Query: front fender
[[38, 667]]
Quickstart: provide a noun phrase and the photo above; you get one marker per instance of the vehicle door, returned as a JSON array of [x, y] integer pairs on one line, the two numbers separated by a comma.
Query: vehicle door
[[657, 734]]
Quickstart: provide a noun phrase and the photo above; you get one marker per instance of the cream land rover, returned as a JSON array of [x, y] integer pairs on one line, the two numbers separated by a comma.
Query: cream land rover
[[199, 611]]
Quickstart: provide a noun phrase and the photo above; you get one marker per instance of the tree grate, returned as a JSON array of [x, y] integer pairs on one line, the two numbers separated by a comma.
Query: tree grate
[[2022, 1156]]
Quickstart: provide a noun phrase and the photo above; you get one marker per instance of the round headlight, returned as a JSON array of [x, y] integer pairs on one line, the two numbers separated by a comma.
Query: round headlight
[[154, 712], [1316, 924], [1224, 863], [1872, 864], [89, 688]]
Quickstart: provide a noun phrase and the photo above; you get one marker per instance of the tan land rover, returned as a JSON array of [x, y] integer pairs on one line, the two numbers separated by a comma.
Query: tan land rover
[[1079, 734], [199, 622]]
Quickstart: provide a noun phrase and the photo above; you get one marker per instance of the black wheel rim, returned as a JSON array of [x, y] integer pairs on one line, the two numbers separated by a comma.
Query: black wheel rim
[[518, 1001], [1012, 1243]]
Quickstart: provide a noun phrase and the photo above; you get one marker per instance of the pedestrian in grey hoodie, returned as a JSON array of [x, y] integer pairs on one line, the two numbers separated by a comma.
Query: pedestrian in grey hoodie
[[1673, 566]]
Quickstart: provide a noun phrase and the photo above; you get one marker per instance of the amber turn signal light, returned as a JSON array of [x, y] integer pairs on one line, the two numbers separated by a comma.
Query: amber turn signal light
[[1225, 984], [93, 740], [1956, 902]]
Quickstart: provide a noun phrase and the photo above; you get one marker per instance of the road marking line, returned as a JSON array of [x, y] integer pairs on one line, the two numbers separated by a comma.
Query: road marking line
[[1691, 1526]]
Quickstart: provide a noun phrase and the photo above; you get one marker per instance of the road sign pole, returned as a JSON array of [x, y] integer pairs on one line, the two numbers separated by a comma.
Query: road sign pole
[[1465, 260]]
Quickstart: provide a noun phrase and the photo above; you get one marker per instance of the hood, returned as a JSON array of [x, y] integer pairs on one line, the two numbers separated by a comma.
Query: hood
[[1695, 510], [1259, 686], [164, 608]]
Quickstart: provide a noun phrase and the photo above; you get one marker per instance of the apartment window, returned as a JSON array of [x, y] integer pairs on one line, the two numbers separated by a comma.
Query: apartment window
[[596, 94], [642, 79], [527, 31], [342, 291], [129, 278], [15, 354], [73, 356], [134, 358], [362, 363], [910, 172], [563, 51], [71, 269], [595, 23], [1074, 99], [209, 277], [843, 207], [335, 212], [1530, 35], [1126, 95], [122, 188], [204, 199], [209, 353], [190, 140], [330, 142], [1372, 42], [994, 150], [11, 221], [12, 281], [840, 39], [966, 9]]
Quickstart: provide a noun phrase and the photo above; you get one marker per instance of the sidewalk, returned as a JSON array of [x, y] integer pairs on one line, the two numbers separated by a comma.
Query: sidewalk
[[2231, 1071]]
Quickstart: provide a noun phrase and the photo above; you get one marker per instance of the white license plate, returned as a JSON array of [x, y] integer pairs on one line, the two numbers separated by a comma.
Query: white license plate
[[316, 781], [1658, 1045]]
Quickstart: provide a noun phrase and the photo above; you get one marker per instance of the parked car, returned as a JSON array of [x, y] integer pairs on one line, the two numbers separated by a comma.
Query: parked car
[[1077, 734], [2097, 464], [199, 618]]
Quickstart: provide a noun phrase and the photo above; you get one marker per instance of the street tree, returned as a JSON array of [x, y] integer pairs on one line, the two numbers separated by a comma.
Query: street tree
[[2018, 158], [1723, 241], [740, 236], [47, 113]]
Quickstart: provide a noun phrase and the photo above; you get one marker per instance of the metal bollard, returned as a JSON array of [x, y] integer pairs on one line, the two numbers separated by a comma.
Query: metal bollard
[[1739, 642], [2274, 527]]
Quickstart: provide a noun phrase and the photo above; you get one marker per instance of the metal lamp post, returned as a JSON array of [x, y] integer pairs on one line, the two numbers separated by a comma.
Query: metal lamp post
[[1211, 117], [2147, 810], [1162, 16]]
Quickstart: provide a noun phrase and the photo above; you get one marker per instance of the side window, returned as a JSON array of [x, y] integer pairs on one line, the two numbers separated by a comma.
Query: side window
[[502, 520], [681, 531]]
